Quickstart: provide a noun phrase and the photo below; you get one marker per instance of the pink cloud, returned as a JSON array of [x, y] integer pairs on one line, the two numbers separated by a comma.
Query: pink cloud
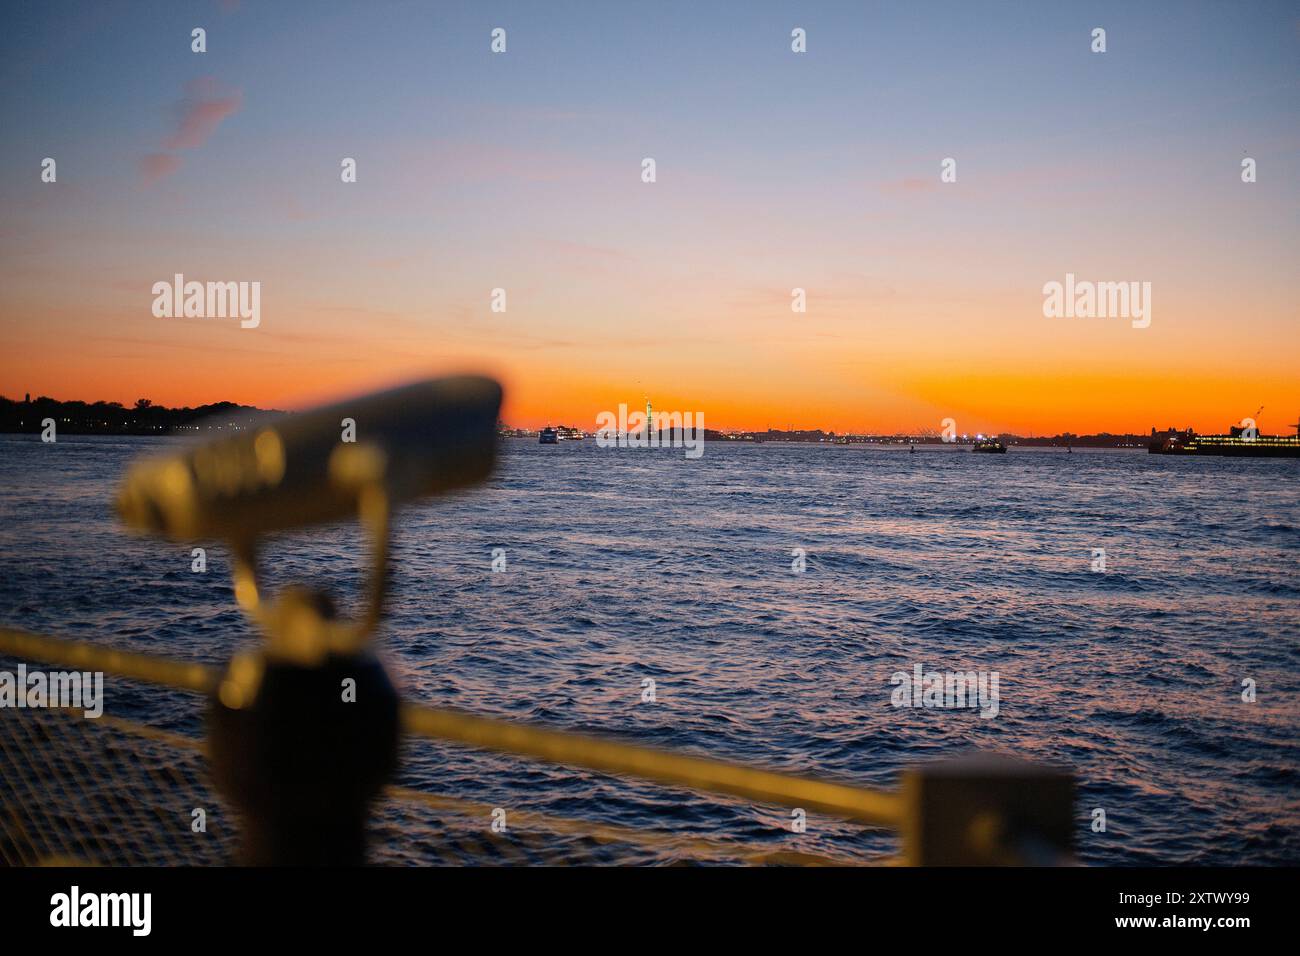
[[156, 166], [198, 115], [909, 185], [200, 112]]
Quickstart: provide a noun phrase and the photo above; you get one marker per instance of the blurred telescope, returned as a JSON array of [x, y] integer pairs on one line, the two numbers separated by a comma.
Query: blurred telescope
[[421, 439]]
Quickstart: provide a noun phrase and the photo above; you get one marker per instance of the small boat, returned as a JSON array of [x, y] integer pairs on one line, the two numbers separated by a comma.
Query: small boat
[[990, 446], [548, 436]]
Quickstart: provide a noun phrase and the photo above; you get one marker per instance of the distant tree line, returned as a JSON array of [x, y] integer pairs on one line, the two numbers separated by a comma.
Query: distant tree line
[[114, 418]]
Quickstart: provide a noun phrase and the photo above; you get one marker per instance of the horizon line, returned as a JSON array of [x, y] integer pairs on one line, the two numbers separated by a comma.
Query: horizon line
[[897, 433]]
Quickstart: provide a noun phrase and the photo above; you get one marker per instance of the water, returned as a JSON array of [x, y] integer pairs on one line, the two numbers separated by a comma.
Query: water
[[628, 564]]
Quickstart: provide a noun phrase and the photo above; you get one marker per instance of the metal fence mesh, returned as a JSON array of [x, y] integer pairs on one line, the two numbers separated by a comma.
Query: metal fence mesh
[[74, 790], [118, 792]]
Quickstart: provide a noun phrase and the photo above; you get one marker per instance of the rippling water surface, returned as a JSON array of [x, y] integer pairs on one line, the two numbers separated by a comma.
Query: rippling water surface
[[628, 564]]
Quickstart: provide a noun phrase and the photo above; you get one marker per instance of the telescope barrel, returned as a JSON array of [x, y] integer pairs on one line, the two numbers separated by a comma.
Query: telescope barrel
[[421, 439]]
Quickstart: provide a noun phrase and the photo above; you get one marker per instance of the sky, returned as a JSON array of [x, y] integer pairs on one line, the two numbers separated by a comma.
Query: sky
[[775, 170]]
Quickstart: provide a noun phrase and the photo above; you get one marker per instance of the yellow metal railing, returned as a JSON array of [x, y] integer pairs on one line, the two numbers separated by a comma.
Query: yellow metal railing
[[602, 833], [83, 655], [984, 809], [696, 773], [876, 807]]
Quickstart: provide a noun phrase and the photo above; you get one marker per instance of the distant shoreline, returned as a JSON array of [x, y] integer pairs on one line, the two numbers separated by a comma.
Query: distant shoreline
[[145, 418], [112, 418]]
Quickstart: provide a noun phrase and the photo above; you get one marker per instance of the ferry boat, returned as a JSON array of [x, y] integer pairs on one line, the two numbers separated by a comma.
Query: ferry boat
[[1240, 442], [989, 446], [548, 436]]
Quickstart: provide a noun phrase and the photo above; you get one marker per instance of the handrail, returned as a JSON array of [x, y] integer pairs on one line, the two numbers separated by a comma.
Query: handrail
[[534, 821], [878, 807], [199, 678]]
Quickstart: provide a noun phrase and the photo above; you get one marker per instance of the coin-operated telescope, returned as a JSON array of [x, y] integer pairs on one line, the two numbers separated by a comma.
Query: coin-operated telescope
[[304, 730]]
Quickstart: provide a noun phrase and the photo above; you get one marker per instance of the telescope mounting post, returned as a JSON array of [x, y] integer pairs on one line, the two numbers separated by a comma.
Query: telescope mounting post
[[304, 730]]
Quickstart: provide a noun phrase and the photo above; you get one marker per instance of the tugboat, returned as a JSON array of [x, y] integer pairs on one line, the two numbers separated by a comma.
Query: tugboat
[[548, 436], [989, 446]]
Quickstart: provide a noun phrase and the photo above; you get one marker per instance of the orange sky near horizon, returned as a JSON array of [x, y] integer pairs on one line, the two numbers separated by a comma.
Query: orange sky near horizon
[[1083, 375]]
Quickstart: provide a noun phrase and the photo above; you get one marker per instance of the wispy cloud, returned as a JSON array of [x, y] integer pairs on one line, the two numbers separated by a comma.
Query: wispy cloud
[[156, 166], [197, 115]]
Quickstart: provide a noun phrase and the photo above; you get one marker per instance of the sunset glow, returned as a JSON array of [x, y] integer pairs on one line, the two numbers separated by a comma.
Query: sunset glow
[[924, 299]]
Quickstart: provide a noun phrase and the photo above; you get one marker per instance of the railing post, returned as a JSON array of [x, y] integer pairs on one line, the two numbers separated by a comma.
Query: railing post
[[988, 810], [302, 748]]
